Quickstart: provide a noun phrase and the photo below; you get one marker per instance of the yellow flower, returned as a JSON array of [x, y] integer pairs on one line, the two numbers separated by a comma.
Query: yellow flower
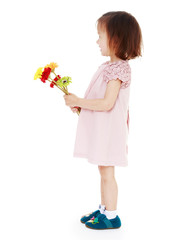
[[52, 65], [38, 73]]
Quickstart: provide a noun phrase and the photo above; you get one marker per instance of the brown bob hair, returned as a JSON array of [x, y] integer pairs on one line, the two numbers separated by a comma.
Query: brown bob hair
[[123, 32]]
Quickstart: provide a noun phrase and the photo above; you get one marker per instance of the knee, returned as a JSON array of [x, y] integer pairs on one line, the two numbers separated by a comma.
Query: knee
[[106, 172]]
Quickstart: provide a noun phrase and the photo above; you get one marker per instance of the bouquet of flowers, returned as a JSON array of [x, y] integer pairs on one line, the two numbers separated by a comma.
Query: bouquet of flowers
[[44, 75]]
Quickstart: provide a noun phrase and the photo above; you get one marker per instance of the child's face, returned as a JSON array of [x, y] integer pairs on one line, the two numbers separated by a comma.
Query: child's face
[[103, 42]]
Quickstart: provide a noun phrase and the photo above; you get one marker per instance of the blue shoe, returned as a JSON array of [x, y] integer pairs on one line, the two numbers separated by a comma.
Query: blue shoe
[[102, 222], [89, 216]]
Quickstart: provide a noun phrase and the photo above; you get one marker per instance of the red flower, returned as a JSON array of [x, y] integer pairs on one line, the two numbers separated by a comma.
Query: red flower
[[43, 80], [58, 76], [55, 79], [52, 84], [45, 74]]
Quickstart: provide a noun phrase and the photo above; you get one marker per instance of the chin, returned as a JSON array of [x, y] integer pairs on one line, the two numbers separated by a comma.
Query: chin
[[104, 54]]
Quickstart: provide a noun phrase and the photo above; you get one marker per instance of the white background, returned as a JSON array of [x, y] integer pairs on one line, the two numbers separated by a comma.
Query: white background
[[44, 190]]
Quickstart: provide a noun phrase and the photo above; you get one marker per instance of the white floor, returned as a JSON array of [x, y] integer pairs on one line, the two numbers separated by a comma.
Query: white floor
[[45, 199]]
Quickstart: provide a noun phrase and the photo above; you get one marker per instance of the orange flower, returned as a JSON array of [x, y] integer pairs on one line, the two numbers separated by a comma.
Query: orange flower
[[52, 65]]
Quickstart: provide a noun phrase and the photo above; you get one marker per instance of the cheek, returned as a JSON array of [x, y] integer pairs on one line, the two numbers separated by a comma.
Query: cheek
[[101, 43]]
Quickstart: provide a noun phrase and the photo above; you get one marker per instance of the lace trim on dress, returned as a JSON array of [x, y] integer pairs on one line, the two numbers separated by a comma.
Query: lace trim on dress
[[121, 70]]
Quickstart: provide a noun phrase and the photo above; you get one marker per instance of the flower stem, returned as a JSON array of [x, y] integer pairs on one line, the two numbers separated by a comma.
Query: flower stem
[[56, 84], [64, 89], [54, 73]]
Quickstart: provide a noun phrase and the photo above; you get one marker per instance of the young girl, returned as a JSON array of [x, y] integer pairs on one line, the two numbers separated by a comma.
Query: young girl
[[103, 124]]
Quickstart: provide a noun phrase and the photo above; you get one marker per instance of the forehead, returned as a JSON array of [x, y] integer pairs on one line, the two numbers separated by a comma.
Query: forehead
[[101, 28]]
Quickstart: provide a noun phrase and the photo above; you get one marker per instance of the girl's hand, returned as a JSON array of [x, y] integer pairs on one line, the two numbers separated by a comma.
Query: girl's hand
[[74, 110], [71, 99]]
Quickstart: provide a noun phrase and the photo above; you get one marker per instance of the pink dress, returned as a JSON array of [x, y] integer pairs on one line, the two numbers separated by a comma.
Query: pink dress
[[102, 136]]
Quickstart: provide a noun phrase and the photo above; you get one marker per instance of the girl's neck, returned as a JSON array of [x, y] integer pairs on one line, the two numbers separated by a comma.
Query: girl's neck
[[114, 59]]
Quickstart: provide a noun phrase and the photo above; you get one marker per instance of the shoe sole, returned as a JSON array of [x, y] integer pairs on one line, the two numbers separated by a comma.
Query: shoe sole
[[101, 228]]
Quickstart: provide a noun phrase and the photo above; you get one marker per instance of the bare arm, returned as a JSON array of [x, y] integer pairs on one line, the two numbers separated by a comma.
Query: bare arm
[[92, 104], [112, 90], [102, 104]]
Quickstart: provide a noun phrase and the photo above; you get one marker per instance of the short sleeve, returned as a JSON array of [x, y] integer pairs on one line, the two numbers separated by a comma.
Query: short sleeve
[[120, 70]]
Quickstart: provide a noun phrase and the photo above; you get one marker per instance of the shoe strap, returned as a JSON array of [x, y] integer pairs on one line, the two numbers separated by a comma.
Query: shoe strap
[[108, 223], [105, 220]]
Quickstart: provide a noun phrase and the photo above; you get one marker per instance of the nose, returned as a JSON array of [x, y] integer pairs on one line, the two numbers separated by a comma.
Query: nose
[[97, 41]]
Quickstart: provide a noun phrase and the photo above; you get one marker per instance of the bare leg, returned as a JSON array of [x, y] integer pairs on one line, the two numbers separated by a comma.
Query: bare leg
[[109, 188], [102, 193]]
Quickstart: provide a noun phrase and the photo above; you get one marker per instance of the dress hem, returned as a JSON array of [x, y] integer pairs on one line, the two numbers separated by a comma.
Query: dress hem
[[81, 155]]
